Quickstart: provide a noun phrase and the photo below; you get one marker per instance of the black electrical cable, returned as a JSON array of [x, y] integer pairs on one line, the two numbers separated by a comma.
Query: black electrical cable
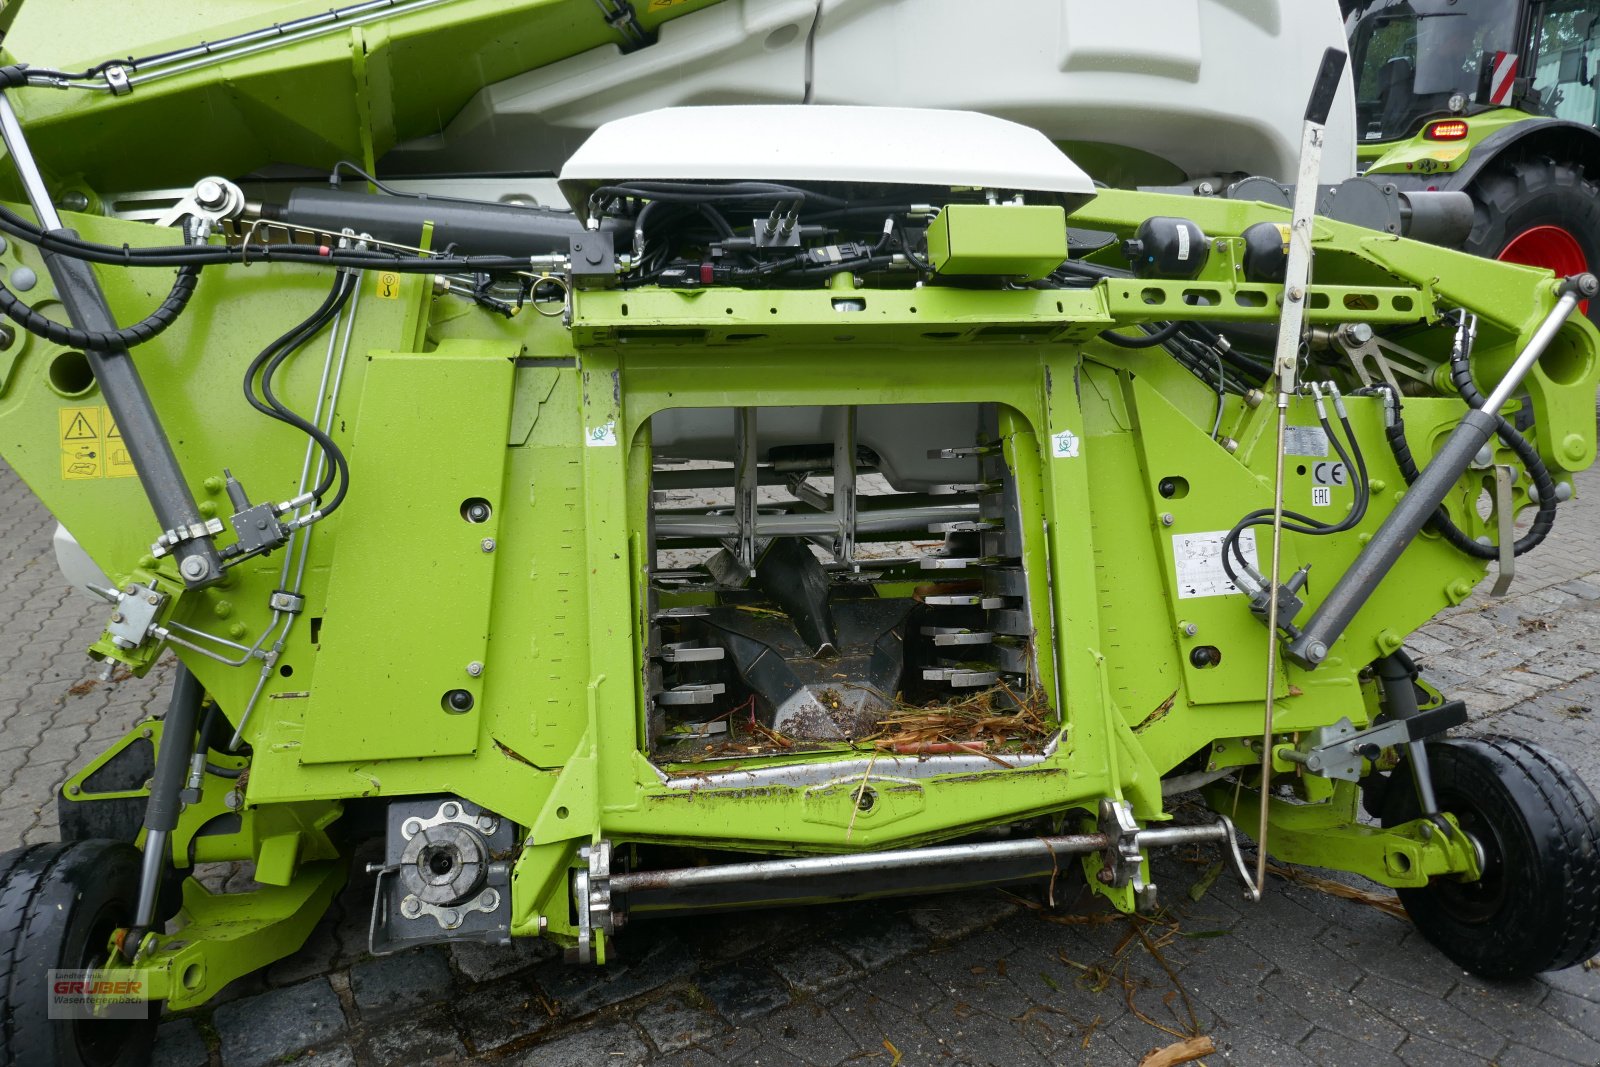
[[605, 196], [911, 254]]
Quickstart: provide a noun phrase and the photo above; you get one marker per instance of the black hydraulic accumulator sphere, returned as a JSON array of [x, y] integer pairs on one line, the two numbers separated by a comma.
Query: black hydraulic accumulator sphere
[[1266, 252], [1167, 247]]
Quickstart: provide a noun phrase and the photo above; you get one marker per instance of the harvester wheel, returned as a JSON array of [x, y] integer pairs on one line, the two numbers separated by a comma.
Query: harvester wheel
[[1537, 905], [1539, 213], [59, 903]]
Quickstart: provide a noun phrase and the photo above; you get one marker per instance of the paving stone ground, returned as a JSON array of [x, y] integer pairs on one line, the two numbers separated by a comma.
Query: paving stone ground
[[978, 978]]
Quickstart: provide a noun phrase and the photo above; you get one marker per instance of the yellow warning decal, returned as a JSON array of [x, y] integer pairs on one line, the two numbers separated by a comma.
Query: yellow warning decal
[[118, 463], [388, 285], [82, 456], [92, 446], [657, 5]]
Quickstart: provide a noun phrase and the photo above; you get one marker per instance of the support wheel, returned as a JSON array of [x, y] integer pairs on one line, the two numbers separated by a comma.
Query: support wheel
[[1537, 906], [1539, 213], [58, 905]]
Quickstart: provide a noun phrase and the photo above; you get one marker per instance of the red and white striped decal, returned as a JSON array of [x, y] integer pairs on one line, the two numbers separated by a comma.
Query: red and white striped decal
[[1501, 76]]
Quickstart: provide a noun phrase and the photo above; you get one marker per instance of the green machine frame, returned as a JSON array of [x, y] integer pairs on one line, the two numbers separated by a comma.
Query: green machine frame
[[500, 654]]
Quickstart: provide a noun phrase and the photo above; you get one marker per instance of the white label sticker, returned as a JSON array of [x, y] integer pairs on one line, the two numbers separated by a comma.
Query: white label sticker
[[1321, 496], [1304, 441], [601, 436], [1183, 243], [1198, 557], [1064, 445]]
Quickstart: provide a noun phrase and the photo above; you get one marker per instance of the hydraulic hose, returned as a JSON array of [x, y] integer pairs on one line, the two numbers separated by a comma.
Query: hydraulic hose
[[66, 244], [1149, 340], [1441, 523], [272, 357], [148, 328]]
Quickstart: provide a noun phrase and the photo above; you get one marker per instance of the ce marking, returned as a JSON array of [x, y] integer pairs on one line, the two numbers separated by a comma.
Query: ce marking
[[1330, 473]]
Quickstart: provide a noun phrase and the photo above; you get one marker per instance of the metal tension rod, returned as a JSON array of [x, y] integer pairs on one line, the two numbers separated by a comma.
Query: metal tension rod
[[1356, 585], [1286, 363], [119, 380]]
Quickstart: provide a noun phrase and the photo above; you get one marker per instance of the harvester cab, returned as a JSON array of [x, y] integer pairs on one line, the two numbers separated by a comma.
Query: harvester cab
[[761, 504], [1495, 99]]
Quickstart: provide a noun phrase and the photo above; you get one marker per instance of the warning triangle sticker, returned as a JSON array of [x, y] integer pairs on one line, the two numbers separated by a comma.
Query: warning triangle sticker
[[113, 433], [80, 430]]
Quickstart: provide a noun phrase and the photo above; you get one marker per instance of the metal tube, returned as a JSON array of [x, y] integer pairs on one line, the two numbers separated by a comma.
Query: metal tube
[[300, 541], [1397, 679], [199, 56], [811, 524], [162, 808], [844, 487], [28, 170], [746, 482], [1401, 527], [1530, 355], [1045, 849], [118, 377], [903, 859]]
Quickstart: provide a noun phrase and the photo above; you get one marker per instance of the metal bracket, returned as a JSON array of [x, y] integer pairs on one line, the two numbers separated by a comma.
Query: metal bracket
[[117, 81], [1368, 352], [591, 893], [210, 201], [287, 602], [1122, 860], [477, 910], [449, 812], [1337, 751], [620, 16], [1504, 512], [171, 539], [134, 614], [449, 916]]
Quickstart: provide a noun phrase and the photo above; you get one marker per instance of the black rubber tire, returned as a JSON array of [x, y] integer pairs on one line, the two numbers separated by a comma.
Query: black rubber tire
[[1537, 906], [1512, 195], [58, 904]]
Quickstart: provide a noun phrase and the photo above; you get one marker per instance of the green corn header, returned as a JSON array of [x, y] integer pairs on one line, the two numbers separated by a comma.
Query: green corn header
[[809, 522]]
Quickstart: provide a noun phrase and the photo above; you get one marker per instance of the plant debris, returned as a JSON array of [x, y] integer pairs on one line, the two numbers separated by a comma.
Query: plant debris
[[1185, 1051], [1207, 879], [1157, 715], [1387, 903], [990, 716], [980, 723]]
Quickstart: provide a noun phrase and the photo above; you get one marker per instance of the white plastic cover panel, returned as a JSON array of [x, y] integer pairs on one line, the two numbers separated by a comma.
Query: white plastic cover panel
[[790, 143], [1213, 87]]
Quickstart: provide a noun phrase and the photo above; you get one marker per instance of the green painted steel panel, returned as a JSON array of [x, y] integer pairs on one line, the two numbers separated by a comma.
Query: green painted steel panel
[[1022, 240], [414, 634]]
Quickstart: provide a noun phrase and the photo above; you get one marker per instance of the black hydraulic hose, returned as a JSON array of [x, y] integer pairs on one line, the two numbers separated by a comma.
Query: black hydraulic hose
[[199, 255], [162, 807], [1545, 517], [271, 357], [146, 329], [344, 286], [1441, 523], [1149, 340], [1295, 522], [212, 738]]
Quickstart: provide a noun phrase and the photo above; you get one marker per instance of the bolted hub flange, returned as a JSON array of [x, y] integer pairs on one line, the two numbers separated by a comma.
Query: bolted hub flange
[[444, 864]]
